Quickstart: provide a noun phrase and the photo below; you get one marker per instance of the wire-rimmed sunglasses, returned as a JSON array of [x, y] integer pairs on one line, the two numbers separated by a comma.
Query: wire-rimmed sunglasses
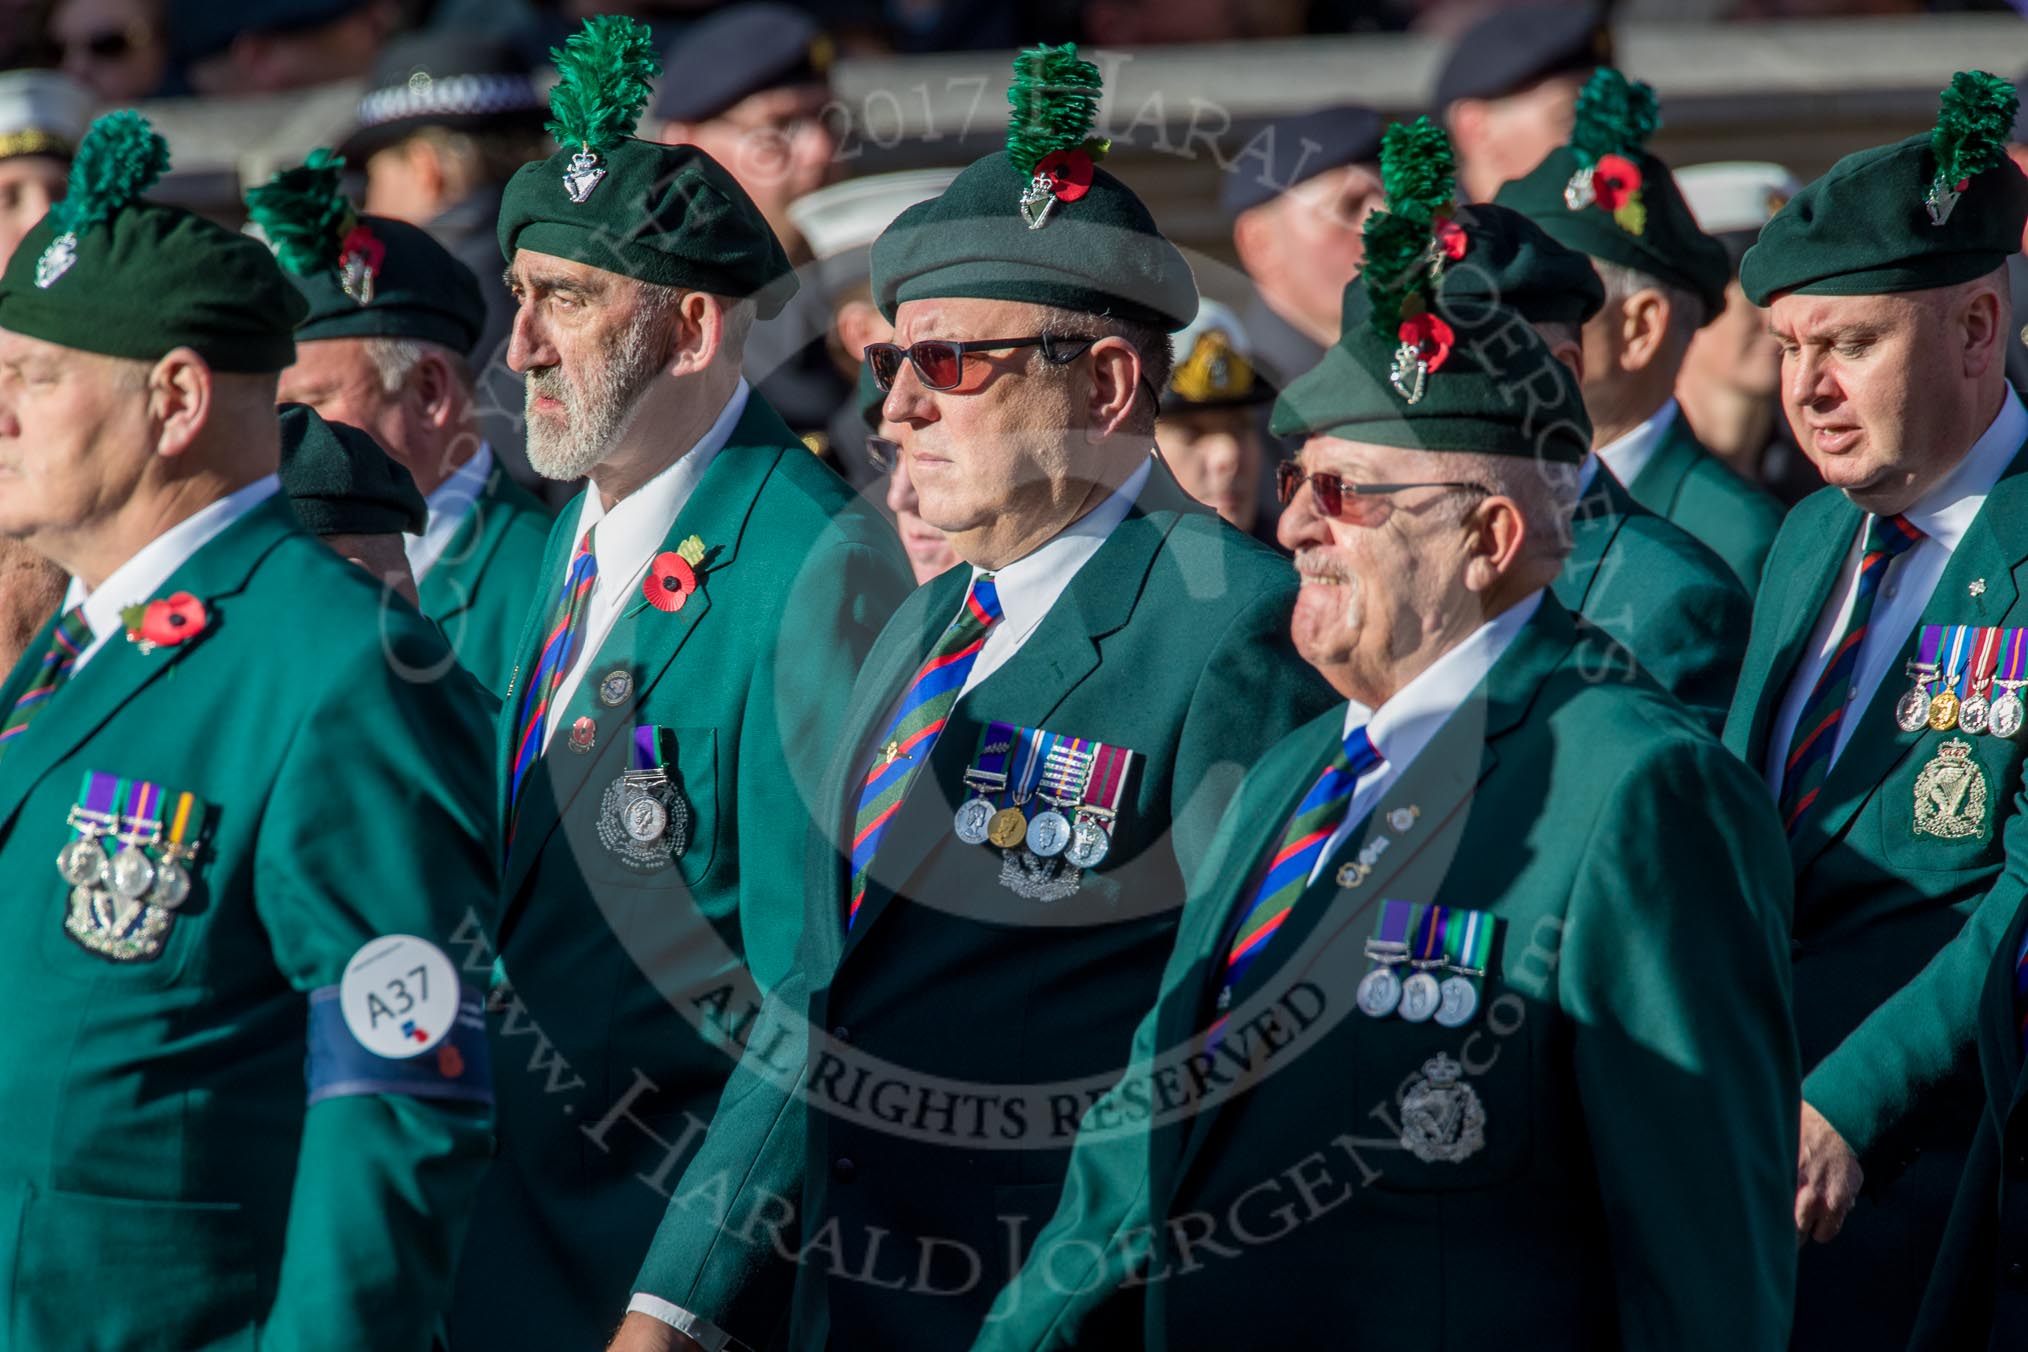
[[1341, 498], [940, 363]]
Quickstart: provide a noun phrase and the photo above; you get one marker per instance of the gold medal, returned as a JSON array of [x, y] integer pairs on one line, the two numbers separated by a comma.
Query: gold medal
[[1009, 828], [1943, 712]]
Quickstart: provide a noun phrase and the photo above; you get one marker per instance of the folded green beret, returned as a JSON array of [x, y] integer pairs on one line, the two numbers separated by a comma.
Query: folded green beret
[[1408, 370], [1931, 211], [1039, 221], [340, 481], [108, 271], [364, 276], [1605, 195], [1511, 260], [670, 215]]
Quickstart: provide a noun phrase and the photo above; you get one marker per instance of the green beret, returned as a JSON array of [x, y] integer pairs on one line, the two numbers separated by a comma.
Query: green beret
[[670, 215], [108, 271], [340, 482], [1039, 221], [1511, 260], [364, 276], [1407, 372], [1605, 195], [1931, 211]]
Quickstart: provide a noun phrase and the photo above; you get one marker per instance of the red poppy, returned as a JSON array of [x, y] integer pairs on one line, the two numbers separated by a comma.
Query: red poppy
[[176, 620], [362, 241], [1450, 237], [1614, 179], [1431, 338], [1069, 173], [450, 1061], [670, 581]]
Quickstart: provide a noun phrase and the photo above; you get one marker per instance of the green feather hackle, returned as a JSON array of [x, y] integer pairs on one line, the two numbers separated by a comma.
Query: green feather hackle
[[120, 158], [605, 73], [304, 214], [1055, 98], [1615, 116], [1396, 266], [1973, 125], [1417, 169]]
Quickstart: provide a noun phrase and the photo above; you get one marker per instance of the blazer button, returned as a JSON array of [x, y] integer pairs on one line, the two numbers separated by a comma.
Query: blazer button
[[841, 1034], [843, 1169]]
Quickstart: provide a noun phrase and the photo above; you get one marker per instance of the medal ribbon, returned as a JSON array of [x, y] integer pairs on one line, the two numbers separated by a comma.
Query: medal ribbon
[[1960, 634], [1026, 772], [1069, 769], [1930, 651], [989, 764], [1475, 946], [1391, 935], [95, 796], [1985, 654], [141, 821], [1107, 784], [646, 753], [186, 823], [1429, 943], [2010, 647]]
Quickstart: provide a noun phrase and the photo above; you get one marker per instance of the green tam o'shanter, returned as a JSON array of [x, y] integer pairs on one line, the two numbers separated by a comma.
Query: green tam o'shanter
[[668, 215], [1929, 211], [1411, 368], [339, 480], [108, 271], [1040, 221], [363, 276], [1605, 194]]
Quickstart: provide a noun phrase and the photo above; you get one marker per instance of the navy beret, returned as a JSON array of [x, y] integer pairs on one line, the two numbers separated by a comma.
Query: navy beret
[[1291, 150], [736, 52], [1513, 48]]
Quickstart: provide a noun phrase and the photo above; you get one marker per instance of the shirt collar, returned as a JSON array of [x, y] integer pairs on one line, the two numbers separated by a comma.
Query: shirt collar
[[1628, 455], [1404, 725], [139, 579], [1946, 511], [638, 523], [448, 506], [1029, 586]]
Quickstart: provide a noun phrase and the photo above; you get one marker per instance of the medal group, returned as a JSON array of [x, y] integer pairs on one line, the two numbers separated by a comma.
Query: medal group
[[128, 864], [1050, 795], [1445, 951]]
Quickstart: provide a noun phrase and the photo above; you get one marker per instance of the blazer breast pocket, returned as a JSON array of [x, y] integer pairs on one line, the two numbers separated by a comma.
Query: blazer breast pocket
[[1449, 1108], [658, 822], [1944, 807]]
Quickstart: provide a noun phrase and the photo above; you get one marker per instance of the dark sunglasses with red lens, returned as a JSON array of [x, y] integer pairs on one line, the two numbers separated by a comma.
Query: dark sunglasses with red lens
[[1345, 500], [940, 364]]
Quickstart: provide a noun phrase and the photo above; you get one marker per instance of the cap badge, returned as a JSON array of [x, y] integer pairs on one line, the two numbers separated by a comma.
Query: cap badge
[[359, 261], [583, 176], [56, 259]]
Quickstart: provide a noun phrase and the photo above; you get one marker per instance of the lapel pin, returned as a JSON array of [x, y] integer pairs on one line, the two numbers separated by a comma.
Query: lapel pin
[[1978, 587]]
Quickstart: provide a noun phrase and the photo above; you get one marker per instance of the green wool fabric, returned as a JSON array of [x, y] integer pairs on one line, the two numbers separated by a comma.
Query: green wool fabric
[[670, 215], [1863, 230], [1497, 392], [1510, 260], [151, 279], [340, 481], [1099, 254]]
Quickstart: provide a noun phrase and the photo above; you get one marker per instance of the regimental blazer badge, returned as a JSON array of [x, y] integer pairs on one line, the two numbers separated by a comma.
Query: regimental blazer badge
[[1442, 1120], [129, 865], [1950, 794]]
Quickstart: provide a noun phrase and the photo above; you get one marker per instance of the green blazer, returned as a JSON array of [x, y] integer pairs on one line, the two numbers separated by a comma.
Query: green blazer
[[749, 681], [1172, 640], [1978, 1290], [162, 1182], [1694, 489], [1632, 1059], [1672, 603], [1878, 905], [490, 574]]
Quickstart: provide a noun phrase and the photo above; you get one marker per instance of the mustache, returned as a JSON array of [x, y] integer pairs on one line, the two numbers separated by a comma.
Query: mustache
[[549, 382], [1319, 563]]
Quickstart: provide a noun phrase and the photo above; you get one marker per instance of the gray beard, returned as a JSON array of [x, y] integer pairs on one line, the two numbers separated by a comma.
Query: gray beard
[[595, 418]]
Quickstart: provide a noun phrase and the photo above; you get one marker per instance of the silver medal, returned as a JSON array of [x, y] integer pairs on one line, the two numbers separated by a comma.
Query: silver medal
[[644, 818], [2005, 719], [1089, 843], [131, 874], [1379, 992], [1458, 1001], [1048, 834], [973, 820], [1911, 712], [1975, 714], [644, 822], [172, 885], [1420, 996], [81, 862]]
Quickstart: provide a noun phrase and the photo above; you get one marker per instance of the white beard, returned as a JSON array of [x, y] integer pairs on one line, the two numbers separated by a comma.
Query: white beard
[[594, 420]]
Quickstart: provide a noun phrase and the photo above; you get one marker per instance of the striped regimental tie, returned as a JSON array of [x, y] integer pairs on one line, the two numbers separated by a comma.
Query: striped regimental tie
[[1809, 759], [912, 732], [1317, 817], [560, 646], [72, 637]]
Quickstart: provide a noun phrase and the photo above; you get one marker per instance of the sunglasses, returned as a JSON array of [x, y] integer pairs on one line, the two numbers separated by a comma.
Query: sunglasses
[[1340, 498], [109, 45], [940, 364], [883, 453]]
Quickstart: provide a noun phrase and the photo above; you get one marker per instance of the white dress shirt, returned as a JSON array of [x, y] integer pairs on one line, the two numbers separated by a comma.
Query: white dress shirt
[[1027, 589], [1942, 515], [629, 538], [141, 579], [449, 506], [1627, 456], [1404, 725]]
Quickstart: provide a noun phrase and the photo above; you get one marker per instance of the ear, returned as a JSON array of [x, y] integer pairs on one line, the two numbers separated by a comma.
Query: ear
[[1466, 120], [430, 391], [180, 394], [1571, 354], [1983, 325], [1115, 384], [857, 324], [1496, 536], [699, 333], [1644, 329], [1252, 241]]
